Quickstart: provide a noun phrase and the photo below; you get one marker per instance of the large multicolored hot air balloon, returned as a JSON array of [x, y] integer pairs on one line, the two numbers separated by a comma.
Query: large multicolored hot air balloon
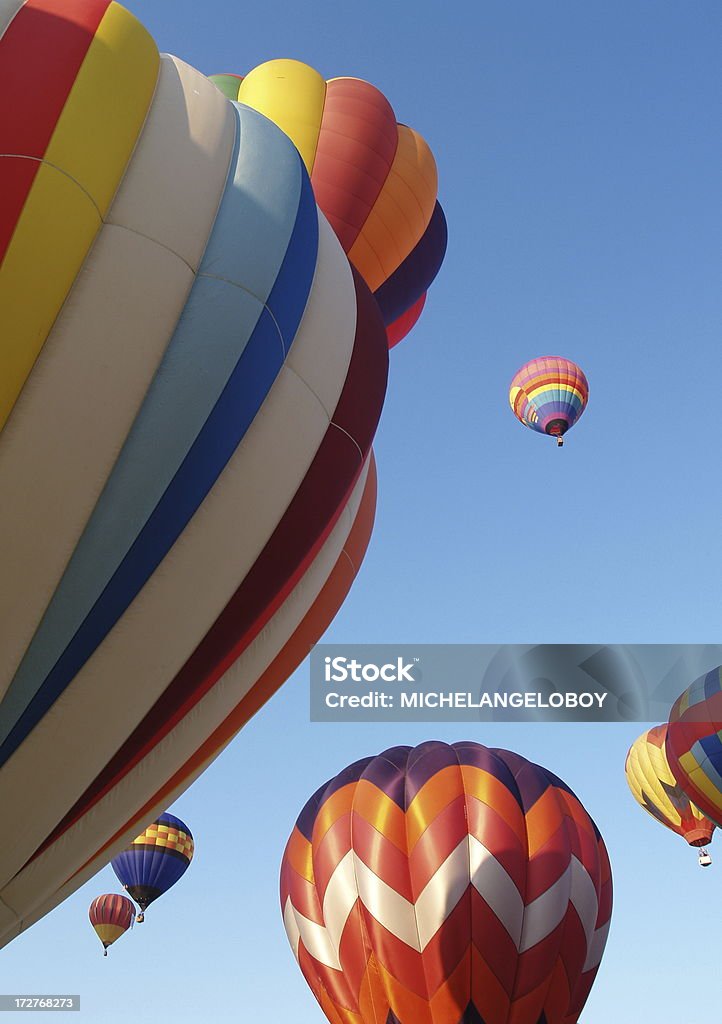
[[549, 395], [655, 789], [373, 178], [447, 883], [694, 743], [190, 380], [155, 860], [111, 915]]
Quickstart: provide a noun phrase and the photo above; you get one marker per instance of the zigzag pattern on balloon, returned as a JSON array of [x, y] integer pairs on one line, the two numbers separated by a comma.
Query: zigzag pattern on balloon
[[439, 883]]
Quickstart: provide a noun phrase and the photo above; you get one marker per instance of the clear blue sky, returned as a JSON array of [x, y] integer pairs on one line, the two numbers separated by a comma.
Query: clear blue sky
[[579, 156]]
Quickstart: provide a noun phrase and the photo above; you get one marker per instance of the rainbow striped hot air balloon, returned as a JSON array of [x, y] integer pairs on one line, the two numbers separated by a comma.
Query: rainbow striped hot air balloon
[[374, 179], [447, 883], [111, 916], [191, 375], [548, 395]]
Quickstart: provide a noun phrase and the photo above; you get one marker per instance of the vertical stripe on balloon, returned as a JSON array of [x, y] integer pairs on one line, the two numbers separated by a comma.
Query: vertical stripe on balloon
[[233, 385], [61, 190]]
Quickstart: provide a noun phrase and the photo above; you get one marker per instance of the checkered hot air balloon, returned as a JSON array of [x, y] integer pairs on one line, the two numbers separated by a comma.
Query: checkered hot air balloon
[[655, 788], [374, 179], [155, 861], [111, 916], [694, 743], [451, 884], [549, 395]]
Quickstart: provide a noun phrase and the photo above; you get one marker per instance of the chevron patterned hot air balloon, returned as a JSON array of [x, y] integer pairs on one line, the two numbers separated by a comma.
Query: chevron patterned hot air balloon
[[549, 395], [694, 743], [111, 916], [454, 884], [374, 179], [191, 375], [655, 788]]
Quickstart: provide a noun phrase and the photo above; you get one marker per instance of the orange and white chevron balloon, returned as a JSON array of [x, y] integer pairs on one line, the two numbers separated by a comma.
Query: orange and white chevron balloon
[[447, 884]]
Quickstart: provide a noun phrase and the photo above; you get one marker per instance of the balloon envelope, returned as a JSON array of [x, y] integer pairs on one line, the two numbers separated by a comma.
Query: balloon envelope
[[694, 743], [447, 883], [654, 787], [549, 394], [111, 915], [155, 860], [187, 407]]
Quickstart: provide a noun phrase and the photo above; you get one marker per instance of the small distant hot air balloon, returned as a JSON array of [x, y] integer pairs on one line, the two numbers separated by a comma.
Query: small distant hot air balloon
[[451, 883], [655, 789], [154, 861], [549, 395], [111, 915]]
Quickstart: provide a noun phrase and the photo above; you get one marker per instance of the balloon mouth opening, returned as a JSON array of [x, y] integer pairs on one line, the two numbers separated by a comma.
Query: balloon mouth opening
[[557, 428], [698, 836]]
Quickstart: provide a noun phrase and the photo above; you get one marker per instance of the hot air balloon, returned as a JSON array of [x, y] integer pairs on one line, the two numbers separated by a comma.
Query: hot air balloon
[[447, 883], [694, 744], [654, 788], [154, 861], [373, 178], [549, 395], [191, 383], [111, 915]]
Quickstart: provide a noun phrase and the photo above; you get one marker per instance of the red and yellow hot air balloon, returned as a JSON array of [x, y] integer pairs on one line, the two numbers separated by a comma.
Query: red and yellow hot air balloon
[[447, 883], [549, 395], [374, 179], [655, 788], [111, 915], [191, 376]]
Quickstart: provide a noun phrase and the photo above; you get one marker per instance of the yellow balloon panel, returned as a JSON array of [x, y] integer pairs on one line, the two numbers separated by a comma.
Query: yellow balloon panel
[[292, 95]]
